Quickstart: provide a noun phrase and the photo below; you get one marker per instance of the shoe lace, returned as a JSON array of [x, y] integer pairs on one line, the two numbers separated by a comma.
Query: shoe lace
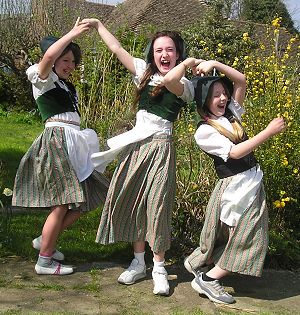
[[216, 285]]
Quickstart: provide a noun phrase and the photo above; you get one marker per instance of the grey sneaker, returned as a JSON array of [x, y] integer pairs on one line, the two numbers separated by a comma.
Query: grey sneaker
[[133, 273], [36, 244], [212, 289]]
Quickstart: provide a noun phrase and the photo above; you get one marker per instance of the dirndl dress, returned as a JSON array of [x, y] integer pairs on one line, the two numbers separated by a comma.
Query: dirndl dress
[[242, 248], [46, 177]]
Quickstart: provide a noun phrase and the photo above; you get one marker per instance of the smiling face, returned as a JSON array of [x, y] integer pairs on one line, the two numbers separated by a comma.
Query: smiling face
[[64, 65], [165, 54], [218, 99]]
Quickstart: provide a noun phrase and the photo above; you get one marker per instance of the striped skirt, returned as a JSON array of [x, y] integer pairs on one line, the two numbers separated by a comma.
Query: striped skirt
[[141, 195], [46, 178], [241, 249]]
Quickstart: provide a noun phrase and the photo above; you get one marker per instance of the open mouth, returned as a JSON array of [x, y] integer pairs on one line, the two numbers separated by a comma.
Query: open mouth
[[165, 63]]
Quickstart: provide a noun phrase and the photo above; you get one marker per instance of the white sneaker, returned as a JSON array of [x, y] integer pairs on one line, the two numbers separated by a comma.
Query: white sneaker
[[57, 255], [133, 273], [160, 280], [55, 268]]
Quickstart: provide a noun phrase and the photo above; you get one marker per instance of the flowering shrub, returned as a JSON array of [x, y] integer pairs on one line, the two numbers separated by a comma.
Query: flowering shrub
[[274, 90]]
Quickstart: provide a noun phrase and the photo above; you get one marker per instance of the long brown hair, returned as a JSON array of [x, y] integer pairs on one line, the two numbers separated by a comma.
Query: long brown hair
[[151, 66]]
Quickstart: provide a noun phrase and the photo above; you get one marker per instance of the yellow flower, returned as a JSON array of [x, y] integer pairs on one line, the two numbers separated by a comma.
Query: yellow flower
[[7, 192], [282, 193], [285, 162], [295, 170], [277, 204], [276, 22], [282, 204]]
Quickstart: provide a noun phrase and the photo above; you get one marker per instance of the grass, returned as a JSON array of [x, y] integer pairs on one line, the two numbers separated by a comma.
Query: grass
[[17, 132]]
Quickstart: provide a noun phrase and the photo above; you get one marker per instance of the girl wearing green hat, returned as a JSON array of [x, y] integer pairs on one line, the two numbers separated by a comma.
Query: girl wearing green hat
[[234, 237], [56, 173]]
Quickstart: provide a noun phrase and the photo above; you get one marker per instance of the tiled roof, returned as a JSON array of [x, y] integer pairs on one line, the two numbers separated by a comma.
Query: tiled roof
[[164, 14]]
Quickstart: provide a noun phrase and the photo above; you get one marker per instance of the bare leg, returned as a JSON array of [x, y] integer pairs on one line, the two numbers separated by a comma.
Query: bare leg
[[159, 257], [70, 217], [52, 228], [217, 273], [139, 247]]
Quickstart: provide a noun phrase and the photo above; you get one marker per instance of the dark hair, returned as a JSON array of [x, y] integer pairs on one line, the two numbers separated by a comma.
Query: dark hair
[[152, 68], [47, 41], [177, 39], [75, 50]]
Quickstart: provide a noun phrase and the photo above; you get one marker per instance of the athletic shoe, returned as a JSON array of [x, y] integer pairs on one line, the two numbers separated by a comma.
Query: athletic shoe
[[133, 273], [189, 268], [57, 255], [212, 289], [160, 281], [55, 268]]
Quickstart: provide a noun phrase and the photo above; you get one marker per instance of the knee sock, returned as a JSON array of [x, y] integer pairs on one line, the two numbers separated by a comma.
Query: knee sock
[[140, 257]]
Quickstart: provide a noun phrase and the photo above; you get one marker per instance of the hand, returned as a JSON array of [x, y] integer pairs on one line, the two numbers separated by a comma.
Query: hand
[[95, 23], [204, 67], [276, 126], [79, 28], [192, 63]]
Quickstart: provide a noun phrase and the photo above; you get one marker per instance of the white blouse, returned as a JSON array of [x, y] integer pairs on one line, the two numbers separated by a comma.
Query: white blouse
[[242, 189], [147, 124]]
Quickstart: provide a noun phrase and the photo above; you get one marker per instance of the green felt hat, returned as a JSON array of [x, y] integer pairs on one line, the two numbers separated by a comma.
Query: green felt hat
[[47, 41], [202, 85]]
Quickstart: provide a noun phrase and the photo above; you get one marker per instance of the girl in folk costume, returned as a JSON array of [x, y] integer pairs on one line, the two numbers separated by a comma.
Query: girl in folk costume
[[234, 237], [57, 172], [141, 196]]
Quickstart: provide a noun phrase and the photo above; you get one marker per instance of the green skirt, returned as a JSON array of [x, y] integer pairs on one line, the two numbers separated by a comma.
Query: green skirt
[[46, 178], [141, 195]]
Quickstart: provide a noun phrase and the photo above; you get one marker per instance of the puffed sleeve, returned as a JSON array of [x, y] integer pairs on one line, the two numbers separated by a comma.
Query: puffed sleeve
[[33, 76], [212, 142], [140, 67], [188, 90]]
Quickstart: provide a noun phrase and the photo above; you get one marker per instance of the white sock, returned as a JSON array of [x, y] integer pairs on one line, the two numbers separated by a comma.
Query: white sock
[[44, 261], [158, 264], [140, 257]]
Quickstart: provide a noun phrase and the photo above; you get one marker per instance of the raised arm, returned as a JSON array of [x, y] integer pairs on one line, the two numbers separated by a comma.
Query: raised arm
[[113, 44], [234, 75], [56, 49], [172, 79], [276, 126]]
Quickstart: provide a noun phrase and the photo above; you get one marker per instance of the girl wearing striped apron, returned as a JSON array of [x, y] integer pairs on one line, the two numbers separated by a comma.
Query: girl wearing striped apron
[[234, 237], [141, 195], [56, 173]]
